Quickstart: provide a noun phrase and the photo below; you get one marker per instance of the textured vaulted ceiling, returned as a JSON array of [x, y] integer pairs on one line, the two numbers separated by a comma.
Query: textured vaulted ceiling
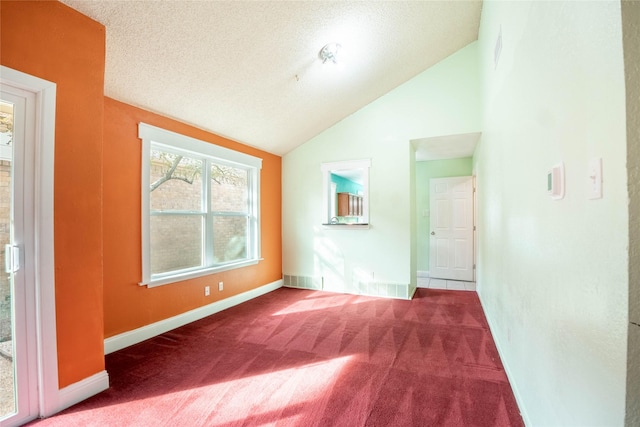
[[250, 70]]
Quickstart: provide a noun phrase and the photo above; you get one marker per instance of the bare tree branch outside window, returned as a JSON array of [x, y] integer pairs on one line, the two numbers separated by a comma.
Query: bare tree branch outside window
[[175, 166], [6, 126]]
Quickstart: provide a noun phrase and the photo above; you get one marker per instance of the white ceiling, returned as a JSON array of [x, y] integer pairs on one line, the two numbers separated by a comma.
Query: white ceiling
[[446, 147], [249, 70]]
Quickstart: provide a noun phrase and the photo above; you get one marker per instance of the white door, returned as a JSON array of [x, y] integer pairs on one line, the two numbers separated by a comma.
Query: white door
[[451, 228], [18, 362]]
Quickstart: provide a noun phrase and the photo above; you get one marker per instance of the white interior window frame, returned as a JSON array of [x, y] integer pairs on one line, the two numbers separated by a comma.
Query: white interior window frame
[[158, 138], [329, 206]]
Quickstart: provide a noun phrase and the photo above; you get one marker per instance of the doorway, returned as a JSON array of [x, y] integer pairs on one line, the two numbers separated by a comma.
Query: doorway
[[28, 350], [452, 228], [18, 391]]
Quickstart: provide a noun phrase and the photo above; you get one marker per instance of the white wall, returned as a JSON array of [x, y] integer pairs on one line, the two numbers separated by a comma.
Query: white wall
[[552, 275], [442, 100]]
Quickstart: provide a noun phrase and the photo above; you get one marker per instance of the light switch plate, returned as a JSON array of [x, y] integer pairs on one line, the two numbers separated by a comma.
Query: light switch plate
[[594, 183], [555, 182]]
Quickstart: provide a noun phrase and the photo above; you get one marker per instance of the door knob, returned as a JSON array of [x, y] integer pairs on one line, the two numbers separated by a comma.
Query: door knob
[[433, 233]]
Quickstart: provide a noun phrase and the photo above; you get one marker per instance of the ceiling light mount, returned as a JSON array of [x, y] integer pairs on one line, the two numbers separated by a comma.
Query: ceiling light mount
[[329, 53]]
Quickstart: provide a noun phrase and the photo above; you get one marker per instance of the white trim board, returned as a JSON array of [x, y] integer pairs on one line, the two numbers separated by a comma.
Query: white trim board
[[136, 336], [84, 389], [423, 279], [514, 386]]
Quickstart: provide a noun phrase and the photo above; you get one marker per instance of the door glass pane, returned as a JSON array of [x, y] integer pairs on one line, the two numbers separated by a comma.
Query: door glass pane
[[229, 238], [7, 366], [176, 182], [176, 242]]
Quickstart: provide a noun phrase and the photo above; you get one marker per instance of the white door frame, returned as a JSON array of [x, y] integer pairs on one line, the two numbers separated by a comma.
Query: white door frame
[[475, 228], [45, 315]]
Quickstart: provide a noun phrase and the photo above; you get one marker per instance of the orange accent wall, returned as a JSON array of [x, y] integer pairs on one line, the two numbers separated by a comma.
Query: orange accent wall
[[129, 306], [97, 191], [54, 42]]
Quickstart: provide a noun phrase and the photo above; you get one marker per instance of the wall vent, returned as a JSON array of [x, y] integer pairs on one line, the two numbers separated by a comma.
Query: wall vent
[[303, 282]]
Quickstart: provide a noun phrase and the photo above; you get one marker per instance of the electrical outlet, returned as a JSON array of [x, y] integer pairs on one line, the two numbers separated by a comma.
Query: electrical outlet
[[207, 291], [220, 286]]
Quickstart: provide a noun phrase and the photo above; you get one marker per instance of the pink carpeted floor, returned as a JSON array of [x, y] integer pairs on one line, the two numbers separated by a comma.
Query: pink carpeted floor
[[306, 358]]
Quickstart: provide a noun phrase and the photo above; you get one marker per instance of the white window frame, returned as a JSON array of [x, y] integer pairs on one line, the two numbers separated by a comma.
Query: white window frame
[[328, 199], [158, 138]]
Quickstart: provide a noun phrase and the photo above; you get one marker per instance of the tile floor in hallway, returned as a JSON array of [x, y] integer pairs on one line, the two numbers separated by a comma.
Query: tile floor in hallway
[[453, 285]]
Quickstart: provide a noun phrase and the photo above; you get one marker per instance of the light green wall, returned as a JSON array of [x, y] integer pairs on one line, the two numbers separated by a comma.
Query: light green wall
[[443, 100], [553, 275], [413, 235], [424, 172]]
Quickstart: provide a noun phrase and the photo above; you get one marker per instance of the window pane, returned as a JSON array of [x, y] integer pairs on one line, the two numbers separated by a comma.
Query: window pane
[[176, 182], [176, 242], [229, 191], [229, 238]]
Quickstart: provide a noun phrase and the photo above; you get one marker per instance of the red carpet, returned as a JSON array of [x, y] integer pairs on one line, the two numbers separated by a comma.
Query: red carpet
[[307, 358]]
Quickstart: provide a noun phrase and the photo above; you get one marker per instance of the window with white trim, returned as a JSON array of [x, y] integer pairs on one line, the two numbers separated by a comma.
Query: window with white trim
[[200, 207]]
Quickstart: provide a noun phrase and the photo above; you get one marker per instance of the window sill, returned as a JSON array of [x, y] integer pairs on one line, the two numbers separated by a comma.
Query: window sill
[[346, 226], [165, 280]]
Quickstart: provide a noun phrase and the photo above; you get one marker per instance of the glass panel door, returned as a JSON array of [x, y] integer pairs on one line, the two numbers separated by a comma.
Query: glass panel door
[[7, 365], [18, 363]]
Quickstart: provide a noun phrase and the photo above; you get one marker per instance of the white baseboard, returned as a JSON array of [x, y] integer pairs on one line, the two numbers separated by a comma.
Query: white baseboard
[[423, 275], [505, 364], [84, 389], [412, 292], [135, 336]]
